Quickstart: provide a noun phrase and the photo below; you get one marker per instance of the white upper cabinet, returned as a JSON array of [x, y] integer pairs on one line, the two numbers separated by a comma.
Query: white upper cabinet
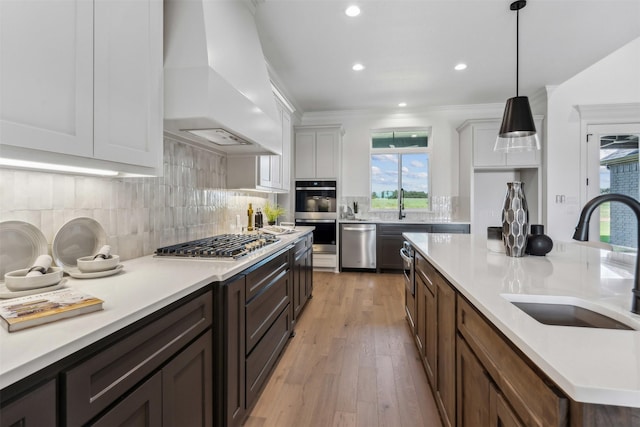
[[128, 81], [83, 79], [317, 152], [46, 75], [484, 135]]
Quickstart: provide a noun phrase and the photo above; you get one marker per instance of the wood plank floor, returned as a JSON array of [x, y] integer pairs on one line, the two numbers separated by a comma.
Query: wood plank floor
[[351, 363]]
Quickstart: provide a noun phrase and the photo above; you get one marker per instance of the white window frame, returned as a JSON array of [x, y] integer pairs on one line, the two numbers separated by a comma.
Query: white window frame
[[428, 151]]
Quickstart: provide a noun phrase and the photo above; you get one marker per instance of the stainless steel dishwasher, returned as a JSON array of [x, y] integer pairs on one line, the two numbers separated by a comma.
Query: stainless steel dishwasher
[[358, 246]]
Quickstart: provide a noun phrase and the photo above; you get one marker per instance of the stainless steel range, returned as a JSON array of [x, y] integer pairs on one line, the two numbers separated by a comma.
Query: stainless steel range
[[229, 246]]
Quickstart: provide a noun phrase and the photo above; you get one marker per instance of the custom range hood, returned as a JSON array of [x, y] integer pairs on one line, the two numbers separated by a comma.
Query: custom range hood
[[217, 91]]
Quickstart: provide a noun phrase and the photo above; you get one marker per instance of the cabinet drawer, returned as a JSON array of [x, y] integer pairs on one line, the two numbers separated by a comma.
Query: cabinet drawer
[[261, 277], [535, 402], [262, 310], [450, 228], [100, 380], [264, 357], [427, 273], [302, 245], [398, 229]]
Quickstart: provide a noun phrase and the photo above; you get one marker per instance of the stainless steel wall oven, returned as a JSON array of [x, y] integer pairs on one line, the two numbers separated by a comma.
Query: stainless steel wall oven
[[316, 206]]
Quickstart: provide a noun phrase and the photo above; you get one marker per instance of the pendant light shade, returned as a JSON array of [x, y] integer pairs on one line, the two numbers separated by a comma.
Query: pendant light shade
[[518, 131]]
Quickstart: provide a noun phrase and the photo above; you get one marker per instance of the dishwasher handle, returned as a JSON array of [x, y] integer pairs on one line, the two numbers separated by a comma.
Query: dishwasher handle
[[371, 228]]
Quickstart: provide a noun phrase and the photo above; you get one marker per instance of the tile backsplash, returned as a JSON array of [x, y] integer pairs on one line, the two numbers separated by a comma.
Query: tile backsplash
[[138, 214]]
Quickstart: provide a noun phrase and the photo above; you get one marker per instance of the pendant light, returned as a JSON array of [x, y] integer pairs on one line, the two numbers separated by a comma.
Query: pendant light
[[518, 131]]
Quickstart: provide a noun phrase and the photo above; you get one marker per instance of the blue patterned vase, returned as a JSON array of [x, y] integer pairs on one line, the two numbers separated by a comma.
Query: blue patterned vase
[[515, 220]]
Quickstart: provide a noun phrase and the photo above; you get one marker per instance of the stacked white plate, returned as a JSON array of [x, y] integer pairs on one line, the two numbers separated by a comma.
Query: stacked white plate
[[21, 244], [80, 238]]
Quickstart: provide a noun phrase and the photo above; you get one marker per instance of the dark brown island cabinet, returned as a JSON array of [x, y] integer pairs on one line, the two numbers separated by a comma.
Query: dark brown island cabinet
[[479, 378], [389, 240], [201, 361]]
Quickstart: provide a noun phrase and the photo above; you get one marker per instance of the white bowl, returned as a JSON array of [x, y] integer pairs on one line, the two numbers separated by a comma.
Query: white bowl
[[87, 264], [18, 281]]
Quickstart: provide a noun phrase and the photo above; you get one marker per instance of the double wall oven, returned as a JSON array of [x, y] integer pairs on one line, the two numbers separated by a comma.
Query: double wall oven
[[316, 206]]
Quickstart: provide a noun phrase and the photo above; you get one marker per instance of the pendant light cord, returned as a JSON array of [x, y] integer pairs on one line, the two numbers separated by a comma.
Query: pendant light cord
[[517, 50]]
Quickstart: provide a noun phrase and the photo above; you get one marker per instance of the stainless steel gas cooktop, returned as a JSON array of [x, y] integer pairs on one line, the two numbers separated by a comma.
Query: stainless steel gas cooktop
[[222, 246]]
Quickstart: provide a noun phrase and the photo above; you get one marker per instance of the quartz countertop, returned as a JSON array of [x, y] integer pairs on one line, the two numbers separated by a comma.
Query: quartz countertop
[[145, 285], [599, 366]]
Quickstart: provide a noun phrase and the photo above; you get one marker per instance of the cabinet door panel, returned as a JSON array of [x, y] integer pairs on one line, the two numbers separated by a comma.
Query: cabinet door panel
[[446, 371], [234, 359], [286, 151], [187, 389], [261, 361], [473, 389], [128, 81], [484, 139], [46, 75], [431, 336], [20, 413], [501, 414], [326, 155], [305, 155], [142, 408]]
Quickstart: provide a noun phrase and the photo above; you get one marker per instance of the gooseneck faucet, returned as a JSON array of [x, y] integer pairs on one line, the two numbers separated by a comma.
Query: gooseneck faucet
[[401, 213], [582, 233]]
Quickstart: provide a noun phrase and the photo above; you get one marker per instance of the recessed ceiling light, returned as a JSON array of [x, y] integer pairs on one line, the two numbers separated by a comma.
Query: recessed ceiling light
[[414, 135], [460, 67], [402, 104], [352, 11], [357, 67]]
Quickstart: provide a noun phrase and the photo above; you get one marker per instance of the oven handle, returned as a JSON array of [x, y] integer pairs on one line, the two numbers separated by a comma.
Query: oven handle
[[315, 220], [405, 256], [316, 188]]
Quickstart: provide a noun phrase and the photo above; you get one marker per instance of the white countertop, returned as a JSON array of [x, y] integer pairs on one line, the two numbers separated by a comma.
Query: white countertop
[[144, 286], [590, 365]]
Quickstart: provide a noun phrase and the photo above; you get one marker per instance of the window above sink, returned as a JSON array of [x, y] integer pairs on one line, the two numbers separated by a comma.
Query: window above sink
[[400, 159]]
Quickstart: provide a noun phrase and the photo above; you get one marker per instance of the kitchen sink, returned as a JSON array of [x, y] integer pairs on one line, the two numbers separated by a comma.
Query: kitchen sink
[[569, 311]]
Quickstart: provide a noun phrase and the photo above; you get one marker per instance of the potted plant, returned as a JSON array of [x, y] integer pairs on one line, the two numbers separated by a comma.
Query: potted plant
[[272, 212]]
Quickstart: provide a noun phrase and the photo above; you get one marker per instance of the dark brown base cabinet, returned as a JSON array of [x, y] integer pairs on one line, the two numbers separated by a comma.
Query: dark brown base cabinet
[[201, 361], [389, 240], [436, 327], [479, 378], [302, 274], [257, 320], [35, 409]]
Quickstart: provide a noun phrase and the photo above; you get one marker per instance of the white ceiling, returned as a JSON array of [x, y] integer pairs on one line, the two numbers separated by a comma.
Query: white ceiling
[[409, 48]]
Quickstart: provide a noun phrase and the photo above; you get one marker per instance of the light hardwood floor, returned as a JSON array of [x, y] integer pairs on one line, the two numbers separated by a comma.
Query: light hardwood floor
[[352, 361]]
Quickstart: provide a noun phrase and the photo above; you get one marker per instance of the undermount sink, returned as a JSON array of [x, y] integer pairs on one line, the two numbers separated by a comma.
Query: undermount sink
[[570, 311]]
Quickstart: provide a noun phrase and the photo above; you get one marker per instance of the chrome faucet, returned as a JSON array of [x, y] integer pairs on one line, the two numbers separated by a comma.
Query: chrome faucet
[[401, 213], [582, 233]]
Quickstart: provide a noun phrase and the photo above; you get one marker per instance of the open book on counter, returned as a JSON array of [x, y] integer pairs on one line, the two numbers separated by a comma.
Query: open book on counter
[[32, 310]]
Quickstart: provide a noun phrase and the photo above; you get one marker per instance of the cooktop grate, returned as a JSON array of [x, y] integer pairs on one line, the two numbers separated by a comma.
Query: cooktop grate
[[222, 246]]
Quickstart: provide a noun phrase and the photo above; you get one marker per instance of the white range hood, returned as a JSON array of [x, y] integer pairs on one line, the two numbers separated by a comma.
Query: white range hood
[[217, 91]]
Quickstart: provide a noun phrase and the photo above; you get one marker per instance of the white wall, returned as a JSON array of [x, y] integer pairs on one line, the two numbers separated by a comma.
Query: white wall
[[613, 80], [444, 142]]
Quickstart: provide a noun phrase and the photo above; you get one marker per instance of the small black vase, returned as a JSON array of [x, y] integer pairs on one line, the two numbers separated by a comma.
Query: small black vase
[[538, 243]]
